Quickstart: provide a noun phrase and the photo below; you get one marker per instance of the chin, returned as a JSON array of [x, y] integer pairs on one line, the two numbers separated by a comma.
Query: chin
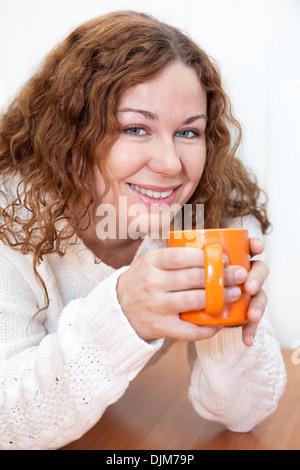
[[150, 227]]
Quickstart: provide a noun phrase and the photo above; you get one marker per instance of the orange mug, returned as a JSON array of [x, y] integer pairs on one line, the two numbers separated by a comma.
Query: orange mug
[[216, 242]]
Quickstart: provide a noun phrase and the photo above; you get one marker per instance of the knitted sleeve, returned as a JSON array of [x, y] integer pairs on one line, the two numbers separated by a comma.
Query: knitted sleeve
[[233, 384], [54, 387]]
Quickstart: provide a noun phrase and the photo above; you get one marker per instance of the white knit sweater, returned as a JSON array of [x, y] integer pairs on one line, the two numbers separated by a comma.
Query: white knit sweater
[[60, 370]]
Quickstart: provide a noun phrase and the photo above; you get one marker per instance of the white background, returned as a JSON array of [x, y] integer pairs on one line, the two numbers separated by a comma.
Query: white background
[[257, 45]]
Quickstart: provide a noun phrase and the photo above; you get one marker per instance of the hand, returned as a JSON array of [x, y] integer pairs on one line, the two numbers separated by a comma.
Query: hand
[[253, 286], [163, 283]]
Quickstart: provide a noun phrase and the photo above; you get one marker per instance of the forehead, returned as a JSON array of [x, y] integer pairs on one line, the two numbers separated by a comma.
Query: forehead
[[176, 88]]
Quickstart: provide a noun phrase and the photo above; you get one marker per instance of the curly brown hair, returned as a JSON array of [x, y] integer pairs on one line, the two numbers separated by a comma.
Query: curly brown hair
[[63, 123]]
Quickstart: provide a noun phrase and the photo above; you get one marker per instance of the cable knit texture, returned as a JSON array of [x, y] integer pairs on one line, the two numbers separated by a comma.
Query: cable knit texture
[[60, 369]]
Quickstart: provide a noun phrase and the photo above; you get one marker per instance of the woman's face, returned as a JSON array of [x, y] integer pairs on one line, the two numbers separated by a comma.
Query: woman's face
[[159, 156]]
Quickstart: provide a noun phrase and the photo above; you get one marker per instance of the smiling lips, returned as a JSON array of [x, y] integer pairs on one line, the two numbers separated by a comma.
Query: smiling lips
[[155, 194], [152, 193]]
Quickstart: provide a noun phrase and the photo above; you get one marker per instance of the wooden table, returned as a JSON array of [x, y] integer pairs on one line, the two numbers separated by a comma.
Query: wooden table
[[155, 414]]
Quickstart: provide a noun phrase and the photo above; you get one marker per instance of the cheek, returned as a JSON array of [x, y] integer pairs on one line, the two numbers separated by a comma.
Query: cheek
[[123, 161], [194, 165], [100, 184]]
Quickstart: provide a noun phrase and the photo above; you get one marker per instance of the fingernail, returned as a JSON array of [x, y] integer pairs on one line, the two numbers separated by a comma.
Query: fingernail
[[261, 243], [234, 292], [225, 259], [250, 340], [257, 314], [254, 286], [241, 275]]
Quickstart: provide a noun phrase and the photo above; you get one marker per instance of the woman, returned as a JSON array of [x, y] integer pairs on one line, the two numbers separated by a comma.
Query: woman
[[125, 107]]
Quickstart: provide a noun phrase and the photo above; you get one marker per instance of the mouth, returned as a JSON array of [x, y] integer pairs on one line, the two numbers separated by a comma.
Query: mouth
[[154, 194]]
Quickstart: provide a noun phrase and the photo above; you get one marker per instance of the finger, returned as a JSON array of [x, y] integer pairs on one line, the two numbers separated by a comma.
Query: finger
[[193, 278], [183, 301], [257, 306], [184, 279], [248, 333], [194, 299], [256, 277], [178, 258], [256, 246], [235, 275], [186, 331]]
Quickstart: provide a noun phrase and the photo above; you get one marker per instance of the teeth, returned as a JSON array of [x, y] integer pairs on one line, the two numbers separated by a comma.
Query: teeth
[[153, 194]]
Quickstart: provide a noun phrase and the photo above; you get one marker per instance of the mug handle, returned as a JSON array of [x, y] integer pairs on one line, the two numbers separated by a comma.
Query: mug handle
[[214, 278]]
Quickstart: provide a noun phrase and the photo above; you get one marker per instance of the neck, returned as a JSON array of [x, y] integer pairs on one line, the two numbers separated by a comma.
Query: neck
[[113, 252], [122, 255]]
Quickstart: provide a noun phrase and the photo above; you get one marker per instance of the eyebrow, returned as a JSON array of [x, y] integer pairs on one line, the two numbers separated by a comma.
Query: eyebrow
[[153, 116]]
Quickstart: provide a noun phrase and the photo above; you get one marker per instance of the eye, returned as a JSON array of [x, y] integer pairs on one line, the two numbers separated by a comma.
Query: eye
[[136, 131], [187, 133]]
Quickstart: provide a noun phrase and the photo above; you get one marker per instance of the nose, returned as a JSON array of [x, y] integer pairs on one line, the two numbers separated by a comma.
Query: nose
[[165, 158]]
